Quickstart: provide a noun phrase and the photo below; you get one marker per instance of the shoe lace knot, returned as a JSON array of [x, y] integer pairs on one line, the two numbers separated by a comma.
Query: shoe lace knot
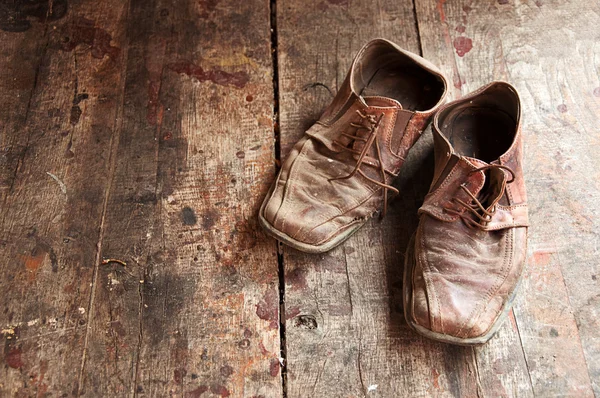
[[476, 214]]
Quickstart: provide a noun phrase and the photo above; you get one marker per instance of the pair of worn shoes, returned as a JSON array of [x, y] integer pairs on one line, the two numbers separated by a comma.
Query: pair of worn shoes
[[466, 259]]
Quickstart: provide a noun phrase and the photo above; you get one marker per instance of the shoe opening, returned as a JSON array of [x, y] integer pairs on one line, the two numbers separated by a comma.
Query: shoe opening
[[482, 126], [383, 70]]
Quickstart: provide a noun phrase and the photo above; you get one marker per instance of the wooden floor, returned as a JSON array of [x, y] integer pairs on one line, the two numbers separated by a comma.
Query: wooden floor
[[148, 131]]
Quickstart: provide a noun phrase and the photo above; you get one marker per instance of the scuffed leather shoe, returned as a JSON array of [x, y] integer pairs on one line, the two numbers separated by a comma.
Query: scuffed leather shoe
[[466, 259], [338, 175]]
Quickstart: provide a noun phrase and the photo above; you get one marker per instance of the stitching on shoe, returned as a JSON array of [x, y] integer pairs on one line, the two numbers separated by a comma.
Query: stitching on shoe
[[285, 199], [337, 216], [498, 281]]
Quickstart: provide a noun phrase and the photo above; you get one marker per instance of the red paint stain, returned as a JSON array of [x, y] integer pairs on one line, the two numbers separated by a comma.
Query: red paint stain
[[196, 392], [562, 108], [440, 8], [207, 6], [219, 390], [274, 367], [456, 79], [249, 98], [84, 31], [13, 358], [597, 92], [267, 308], [217, 76], [263, 349], [502, 1], [292, 312], [297, 279], [32, 264], [154, 108], [178, 375], [240, 154], [461, 29], [155, 65], [542, 257], [463, 45], [436, 378], [168, 135]]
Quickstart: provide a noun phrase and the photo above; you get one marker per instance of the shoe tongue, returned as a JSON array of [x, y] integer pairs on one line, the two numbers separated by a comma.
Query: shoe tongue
[[382, 102]]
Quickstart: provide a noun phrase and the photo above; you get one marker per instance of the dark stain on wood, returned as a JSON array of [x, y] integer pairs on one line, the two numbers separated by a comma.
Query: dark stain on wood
[[178, 375], [13, 358], [196, 392], [188, 216], [207, 7], [210, 218], [15, 15], [268, 308], [219, 389], [297, 278], [76, 110], [226, 371], [274, 367], [237, 79], [463, 45], [97, 40]]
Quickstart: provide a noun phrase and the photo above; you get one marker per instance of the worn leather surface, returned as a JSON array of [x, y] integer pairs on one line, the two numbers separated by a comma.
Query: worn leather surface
[[310, 202], [464, 274]]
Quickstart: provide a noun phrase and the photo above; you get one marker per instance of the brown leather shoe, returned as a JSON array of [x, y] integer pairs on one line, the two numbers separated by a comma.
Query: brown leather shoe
[[338, 175], [466, 259]]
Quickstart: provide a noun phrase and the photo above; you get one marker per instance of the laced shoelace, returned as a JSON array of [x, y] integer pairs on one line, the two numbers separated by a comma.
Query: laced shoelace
[[372, 138], [476, 208]]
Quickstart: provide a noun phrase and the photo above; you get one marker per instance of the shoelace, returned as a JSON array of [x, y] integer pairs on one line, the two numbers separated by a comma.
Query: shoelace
[[372, 138], [476, 207]]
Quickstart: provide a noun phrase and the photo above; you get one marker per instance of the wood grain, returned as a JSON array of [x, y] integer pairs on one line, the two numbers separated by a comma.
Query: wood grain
[[145, 146], [196, 309], [137, 142], [52, 207], [549, 51]]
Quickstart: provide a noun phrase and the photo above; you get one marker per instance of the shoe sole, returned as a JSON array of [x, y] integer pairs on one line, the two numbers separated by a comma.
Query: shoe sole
[[409, 264], [304, 247]]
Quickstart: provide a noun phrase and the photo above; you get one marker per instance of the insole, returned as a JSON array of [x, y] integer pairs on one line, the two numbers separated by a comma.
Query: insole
[[413, 92], [482, 133]]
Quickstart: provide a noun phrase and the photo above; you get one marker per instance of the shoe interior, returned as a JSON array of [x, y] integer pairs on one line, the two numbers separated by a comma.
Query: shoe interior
[[383, 71], [483, 126]]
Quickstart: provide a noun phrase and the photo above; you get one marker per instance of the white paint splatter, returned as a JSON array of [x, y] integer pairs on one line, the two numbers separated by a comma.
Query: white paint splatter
[[372, 387], [61, 184]]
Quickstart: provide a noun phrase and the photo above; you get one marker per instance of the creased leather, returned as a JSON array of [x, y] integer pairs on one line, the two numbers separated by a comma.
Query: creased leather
[[463, 276], [309, 202]]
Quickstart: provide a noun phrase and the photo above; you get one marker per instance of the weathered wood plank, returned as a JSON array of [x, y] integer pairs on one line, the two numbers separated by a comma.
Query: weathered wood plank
[[196, 308], [548, 50], [51, 214], [346, 335]]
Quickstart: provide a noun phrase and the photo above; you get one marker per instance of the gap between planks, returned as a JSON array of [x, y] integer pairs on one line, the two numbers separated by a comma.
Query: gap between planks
[[277, 153]]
